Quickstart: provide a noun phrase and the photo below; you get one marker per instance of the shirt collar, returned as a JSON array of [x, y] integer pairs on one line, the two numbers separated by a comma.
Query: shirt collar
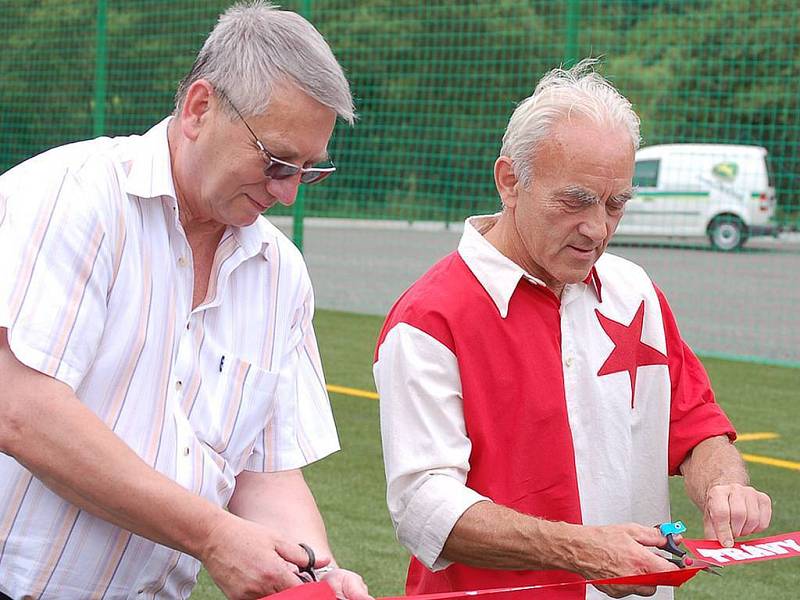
[[498, 274], [256, 238], [149, 166]]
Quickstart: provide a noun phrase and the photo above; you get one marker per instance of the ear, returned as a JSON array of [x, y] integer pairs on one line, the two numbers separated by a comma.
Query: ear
[[506, 181], [196, 107]]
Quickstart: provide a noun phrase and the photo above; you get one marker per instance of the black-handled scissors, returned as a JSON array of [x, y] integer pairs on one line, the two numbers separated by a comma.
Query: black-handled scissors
[[308, 573]]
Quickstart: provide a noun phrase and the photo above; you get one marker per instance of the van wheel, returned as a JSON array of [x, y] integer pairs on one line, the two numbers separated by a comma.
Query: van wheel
[[727, 232]]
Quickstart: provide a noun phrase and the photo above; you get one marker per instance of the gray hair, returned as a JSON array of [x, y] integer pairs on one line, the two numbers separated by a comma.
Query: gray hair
[[255, 47], [558, 95]]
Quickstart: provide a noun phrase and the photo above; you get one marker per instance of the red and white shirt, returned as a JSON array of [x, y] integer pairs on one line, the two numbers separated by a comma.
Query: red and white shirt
[[573, 409], [96, 284]]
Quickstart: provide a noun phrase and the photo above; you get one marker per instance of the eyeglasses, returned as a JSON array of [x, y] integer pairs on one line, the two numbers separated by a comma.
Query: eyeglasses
[[275, 168]]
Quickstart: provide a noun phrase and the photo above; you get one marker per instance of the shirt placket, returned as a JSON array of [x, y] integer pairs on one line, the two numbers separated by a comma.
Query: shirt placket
[[183, 362], [570, 356]]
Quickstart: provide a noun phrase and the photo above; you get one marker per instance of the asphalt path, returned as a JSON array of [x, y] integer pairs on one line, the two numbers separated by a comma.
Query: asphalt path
[[743, 303]]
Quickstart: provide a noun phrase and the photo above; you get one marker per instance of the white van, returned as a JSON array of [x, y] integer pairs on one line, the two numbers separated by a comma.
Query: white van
[[722, 191]]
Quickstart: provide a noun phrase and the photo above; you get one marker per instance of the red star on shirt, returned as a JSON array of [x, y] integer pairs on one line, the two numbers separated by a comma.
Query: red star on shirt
[[629, 351]]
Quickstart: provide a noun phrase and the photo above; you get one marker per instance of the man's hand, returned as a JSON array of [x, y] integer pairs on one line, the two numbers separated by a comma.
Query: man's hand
[[618, 550], [247, 561], [347, 585], [523, 542], [735, 510], [717, 482]]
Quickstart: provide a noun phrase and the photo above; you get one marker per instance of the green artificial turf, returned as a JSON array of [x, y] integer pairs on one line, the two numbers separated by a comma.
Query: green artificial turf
[[350, 488]]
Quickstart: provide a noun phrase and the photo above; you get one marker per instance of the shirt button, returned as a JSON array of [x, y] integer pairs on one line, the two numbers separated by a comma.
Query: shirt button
[[182, 261], [186, 451], [568, 362], [178, 385]]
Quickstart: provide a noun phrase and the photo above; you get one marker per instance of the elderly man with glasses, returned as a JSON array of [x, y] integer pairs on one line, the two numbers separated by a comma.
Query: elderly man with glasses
[[162, 385]]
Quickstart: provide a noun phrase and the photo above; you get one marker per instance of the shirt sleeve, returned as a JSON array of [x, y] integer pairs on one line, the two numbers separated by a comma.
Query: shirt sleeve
[[425, 445], [694, 414], [56, 270], [301, 429]]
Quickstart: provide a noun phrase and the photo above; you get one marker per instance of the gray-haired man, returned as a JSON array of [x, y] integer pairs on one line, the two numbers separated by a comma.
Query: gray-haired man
[[536, 392], [158, 361]]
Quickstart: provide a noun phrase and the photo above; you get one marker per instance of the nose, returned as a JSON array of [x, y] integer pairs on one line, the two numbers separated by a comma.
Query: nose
[[284, 190], [595, 225]]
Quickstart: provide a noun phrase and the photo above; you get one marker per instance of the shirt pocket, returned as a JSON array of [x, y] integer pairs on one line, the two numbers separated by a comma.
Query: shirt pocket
[[235, 409]]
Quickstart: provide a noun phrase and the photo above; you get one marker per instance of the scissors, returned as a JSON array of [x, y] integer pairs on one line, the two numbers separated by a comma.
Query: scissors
[[310, 573], [679, 558]]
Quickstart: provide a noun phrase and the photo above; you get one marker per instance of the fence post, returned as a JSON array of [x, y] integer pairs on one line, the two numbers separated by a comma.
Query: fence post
[[298, 215], [100, 67], [571, 46]]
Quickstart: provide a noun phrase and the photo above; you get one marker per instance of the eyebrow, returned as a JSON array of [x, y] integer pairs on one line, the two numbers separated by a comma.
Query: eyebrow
[[587, 197]]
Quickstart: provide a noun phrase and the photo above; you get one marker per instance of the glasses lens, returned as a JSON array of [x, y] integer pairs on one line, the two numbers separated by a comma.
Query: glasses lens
[[314, 176], [277, 170]]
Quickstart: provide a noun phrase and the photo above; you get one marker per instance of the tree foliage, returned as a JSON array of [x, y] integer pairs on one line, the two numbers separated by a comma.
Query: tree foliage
[[435, 82]]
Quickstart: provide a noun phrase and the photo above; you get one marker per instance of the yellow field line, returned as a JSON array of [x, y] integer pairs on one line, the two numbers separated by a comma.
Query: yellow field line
[[773, 462], [752, 437], [744, 437], [339, 389]]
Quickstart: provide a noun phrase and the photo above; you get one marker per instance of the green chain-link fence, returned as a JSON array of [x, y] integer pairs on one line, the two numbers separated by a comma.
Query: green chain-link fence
[[435, 83]]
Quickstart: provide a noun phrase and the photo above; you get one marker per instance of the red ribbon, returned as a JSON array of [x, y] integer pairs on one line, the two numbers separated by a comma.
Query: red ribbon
[[306, 591], [322, 591], [786, 545], [670, 578]]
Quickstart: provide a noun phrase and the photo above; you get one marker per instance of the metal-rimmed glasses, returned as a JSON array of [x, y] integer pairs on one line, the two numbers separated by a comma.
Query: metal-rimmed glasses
[[275, 168]]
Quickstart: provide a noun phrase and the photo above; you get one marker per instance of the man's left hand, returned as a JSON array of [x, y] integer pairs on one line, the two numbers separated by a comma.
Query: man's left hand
[[734, 510], [347, 585]]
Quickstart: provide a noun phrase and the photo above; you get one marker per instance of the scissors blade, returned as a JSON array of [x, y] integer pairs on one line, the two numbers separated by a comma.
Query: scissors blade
[[707, 567]]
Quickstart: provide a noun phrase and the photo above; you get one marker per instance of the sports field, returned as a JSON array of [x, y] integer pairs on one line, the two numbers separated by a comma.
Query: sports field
[[349, 486]]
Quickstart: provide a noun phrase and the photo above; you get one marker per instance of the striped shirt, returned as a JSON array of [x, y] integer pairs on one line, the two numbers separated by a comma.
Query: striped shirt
[[96, 291]]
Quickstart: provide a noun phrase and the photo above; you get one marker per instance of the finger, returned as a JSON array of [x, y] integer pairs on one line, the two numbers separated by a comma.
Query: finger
[[708, 527], [283, 579], [753, 516], [645, 591], [719, 514], [659, 563], [647, 536], [296, 555], [614, 591], [737, 505], [354, 588], [620, 591], [764, 511]]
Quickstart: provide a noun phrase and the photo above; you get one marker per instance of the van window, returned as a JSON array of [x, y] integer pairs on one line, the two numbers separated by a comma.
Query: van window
[[770, 175], [646, 173]]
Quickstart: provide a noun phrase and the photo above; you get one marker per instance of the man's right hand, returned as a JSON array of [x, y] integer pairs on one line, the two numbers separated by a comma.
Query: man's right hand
[[619, 550], [247, 561]]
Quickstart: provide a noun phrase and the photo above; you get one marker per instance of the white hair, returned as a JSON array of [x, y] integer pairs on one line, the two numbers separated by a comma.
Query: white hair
[[254, 47], [560, 94]]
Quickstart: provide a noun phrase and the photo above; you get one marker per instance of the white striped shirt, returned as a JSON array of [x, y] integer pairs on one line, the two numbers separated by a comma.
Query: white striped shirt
[[96, 291]]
